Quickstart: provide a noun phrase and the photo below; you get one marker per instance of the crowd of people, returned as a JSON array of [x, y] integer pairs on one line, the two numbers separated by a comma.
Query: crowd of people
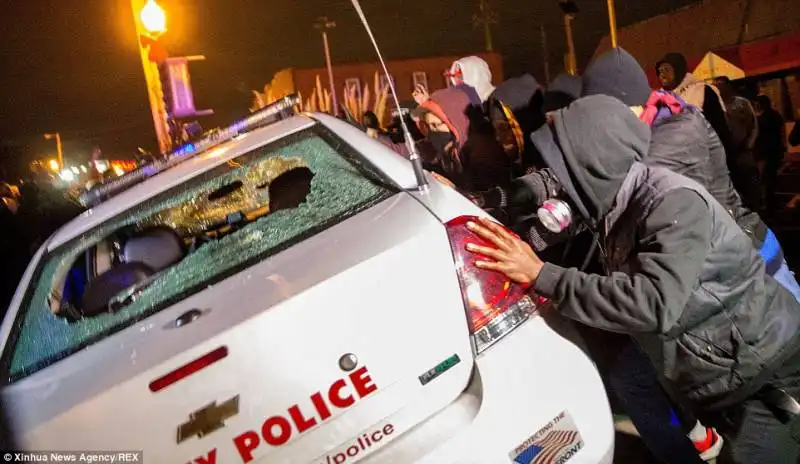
[[31, 212], [637, 212]]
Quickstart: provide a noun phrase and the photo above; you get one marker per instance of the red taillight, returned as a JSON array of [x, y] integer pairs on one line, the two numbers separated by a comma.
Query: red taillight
[[188, 369], [495, 304]]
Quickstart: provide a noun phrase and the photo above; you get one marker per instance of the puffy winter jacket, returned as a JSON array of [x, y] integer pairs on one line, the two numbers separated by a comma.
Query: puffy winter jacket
[[687, 144]]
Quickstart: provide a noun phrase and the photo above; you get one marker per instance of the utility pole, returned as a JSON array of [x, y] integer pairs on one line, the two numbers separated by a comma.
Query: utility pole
[[612, 22], [57, 136], [485, 17], [545, 55], [323, 24], [570, 10]]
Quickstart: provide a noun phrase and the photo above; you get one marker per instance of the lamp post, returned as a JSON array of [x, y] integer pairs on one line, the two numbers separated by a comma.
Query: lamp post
[[151, 23], [57, 136], [570, 9], [323, 24]]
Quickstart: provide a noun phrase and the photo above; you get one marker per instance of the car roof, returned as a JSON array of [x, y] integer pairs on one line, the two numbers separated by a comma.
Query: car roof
[[384, 159]]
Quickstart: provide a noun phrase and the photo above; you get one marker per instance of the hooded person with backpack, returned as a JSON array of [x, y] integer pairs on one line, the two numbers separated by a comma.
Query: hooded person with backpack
[[683, 141]]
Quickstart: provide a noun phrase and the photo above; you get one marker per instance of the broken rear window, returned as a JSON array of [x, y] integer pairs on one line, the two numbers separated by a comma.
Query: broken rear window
[[185, 239]]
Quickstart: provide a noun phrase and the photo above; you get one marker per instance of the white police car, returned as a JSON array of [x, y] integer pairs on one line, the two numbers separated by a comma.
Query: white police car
[[289, 295]]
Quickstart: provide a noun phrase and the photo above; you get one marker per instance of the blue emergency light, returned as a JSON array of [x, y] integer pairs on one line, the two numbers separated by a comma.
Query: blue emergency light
[[265, 116]]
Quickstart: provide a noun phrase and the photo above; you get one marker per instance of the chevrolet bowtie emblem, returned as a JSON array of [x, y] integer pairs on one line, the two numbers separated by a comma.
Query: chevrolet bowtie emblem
[[208, 419]]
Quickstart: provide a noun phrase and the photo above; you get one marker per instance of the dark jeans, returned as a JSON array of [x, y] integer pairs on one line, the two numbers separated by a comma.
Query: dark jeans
[[631, 377], [756, 432]]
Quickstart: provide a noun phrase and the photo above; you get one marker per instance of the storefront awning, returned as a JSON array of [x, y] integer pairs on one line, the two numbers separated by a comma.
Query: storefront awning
[[713, 66], [764, 56], [747, 60]]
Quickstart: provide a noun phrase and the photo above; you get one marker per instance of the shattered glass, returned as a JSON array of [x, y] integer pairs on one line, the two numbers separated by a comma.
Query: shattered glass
[[340, 188]]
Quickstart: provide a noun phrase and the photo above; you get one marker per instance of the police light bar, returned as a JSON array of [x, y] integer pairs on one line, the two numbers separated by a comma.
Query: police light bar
[[260, 118]]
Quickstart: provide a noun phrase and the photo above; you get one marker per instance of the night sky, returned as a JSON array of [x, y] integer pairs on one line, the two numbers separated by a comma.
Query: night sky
[[72, 66]]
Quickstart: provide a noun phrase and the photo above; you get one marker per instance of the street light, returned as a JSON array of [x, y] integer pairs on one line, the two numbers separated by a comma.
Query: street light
[[151, 23], [323, 24], [56, 136], [153, 18], [570, 10]]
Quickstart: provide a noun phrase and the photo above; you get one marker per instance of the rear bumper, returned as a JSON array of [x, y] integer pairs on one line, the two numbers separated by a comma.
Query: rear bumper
[[519, 386]]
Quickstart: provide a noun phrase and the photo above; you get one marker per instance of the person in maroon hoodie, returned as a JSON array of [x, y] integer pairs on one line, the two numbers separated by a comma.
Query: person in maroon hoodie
[[466, 149]]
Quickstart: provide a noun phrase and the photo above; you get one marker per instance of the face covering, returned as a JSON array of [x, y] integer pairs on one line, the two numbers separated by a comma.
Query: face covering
[[439, 140]]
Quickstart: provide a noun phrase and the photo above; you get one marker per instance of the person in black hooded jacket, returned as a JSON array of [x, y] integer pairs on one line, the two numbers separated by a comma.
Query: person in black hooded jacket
[[534, 182], [515, 110], [682, 279], [683, 141]]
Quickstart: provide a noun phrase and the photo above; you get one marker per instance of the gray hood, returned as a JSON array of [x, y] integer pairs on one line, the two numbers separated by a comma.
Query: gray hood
[[597, 140]]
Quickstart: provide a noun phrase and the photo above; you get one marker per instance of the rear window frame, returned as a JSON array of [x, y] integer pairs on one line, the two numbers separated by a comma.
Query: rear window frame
[[349, 153]]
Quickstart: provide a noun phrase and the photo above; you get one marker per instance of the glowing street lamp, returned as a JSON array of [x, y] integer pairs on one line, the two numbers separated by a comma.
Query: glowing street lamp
[[153, 18], [151, 23], [56, 136], [54, 166]]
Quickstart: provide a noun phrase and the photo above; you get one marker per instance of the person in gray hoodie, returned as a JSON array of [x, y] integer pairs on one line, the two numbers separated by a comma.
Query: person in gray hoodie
[[681, 278]]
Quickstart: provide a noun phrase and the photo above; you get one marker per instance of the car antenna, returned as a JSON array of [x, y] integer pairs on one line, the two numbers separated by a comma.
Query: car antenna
[[416, 160]]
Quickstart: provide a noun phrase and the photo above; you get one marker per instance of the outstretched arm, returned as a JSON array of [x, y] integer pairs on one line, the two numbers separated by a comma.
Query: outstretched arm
[[673, 242]]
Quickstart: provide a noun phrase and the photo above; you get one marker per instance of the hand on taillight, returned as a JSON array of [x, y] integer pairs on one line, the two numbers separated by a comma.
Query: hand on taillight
[[511, 256]]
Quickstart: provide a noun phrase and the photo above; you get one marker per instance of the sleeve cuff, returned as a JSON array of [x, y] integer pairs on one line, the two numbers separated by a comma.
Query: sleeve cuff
[[548, 279]]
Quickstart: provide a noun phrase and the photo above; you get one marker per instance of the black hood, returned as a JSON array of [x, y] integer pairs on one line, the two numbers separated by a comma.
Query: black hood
[[523, 95], [617, 73], [597, 140], [564, 90], [679, 64]]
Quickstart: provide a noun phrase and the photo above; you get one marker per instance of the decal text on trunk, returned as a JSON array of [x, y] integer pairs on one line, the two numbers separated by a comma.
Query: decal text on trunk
[[359, 446], [277, 430]]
